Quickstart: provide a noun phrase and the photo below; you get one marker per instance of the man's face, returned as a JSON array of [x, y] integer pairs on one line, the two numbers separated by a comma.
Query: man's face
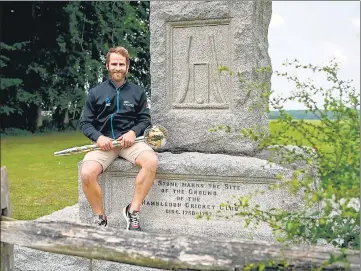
[[117, 67]]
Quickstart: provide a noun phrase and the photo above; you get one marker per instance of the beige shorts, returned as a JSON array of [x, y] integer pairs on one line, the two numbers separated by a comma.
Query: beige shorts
[[105, 158]]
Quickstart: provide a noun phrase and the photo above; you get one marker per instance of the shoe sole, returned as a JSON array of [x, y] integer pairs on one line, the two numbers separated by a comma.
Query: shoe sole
[[126, 217]]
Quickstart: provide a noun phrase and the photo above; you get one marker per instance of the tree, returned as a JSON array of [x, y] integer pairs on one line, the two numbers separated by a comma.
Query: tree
[[8, 86], [65, 52], [24, 97]]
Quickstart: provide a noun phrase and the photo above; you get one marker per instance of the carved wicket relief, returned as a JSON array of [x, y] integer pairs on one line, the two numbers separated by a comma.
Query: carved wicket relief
[[198, 84]]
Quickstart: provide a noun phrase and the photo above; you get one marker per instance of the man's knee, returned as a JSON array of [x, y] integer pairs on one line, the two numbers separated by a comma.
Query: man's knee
[[152, 163], [148, 160], [90, 171]]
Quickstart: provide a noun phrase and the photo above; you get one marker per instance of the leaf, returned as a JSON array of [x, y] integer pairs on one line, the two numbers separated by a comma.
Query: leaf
[[6, 83]]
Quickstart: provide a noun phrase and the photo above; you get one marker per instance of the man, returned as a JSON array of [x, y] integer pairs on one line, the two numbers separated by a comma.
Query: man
[[117, 109]]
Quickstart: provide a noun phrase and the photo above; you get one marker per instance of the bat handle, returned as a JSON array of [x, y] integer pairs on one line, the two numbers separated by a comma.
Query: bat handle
[[139, 138]]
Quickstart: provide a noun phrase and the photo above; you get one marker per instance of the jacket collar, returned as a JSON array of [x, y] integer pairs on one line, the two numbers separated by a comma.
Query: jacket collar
[[114, 85]]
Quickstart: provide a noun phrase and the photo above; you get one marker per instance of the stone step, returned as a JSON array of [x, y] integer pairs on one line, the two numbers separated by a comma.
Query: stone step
[[189, 184]]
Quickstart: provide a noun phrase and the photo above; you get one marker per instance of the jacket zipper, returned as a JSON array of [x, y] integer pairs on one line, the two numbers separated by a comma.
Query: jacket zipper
[[112, 115], [117, 100], [111, 125]]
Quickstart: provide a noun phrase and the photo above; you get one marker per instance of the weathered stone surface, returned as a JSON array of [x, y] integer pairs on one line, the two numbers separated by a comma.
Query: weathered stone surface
[[7, 250], [283, 154], [31, 259], [188, 184], [36, 260], [189, 41]]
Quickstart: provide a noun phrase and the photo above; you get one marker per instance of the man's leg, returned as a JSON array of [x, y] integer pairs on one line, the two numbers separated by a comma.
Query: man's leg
[[90, 171], [148, 161], [142, 155], [94, 163]]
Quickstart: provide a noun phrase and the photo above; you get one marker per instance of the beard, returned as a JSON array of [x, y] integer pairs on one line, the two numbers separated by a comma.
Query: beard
[[117, 76]]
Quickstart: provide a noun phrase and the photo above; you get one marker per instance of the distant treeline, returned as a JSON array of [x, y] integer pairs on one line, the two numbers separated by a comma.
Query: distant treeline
[[299, 114]]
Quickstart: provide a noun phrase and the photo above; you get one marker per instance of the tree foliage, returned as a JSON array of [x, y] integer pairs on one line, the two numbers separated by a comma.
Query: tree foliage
[[11, 85], [330, 181], [62, 55]]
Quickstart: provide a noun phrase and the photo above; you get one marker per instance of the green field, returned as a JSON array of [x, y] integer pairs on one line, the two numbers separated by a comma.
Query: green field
[[41, 183], [274, 126]]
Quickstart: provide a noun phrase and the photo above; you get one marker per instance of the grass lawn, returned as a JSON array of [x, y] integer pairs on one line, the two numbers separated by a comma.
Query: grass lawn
[[41, 183], [274, 126]]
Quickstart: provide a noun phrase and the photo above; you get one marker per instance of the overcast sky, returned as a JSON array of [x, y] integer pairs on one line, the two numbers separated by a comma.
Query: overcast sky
[[315, 32]]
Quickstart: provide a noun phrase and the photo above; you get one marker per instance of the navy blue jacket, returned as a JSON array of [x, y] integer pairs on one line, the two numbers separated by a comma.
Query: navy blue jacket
[[112, 111]]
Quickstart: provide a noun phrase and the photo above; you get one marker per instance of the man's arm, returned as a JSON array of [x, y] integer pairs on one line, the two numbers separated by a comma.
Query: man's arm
[[143, 119], [142, 122], [87, 127], [87, 120]]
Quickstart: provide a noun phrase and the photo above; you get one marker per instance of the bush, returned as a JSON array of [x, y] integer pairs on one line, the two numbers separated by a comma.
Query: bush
[[332, 147]]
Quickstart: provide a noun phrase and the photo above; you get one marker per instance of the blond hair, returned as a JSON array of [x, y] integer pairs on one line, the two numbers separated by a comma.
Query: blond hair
[[118, 50]]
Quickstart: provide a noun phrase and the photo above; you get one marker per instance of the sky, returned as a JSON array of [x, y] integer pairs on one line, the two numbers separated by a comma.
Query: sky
[[314, 32]]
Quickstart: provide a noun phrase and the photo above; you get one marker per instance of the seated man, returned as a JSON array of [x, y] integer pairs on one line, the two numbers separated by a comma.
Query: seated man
[[117, 110]]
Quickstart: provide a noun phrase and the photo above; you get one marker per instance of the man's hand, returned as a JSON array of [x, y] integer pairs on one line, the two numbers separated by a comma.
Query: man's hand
[[127, 139], [105, 143]]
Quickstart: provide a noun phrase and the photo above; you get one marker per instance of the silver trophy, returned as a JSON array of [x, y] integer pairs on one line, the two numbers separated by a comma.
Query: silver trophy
[[155, 136]]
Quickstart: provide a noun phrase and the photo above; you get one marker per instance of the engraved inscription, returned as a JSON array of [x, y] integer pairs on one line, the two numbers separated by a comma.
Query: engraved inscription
[[196, 52], [191, 198]]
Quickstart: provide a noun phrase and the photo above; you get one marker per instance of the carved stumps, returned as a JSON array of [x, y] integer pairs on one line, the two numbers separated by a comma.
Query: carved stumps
[[188, 44]]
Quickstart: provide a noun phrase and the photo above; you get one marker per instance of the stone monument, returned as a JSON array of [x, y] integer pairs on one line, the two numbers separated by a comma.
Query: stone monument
[[189, 41], [199, 170]]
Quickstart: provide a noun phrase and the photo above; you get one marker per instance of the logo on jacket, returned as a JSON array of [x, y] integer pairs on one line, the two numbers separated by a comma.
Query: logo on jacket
[[126, 103], [107, 101]]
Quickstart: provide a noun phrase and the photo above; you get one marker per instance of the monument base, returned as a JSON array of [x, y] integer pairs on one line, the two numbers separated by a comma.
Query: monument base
[[191, 184]]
